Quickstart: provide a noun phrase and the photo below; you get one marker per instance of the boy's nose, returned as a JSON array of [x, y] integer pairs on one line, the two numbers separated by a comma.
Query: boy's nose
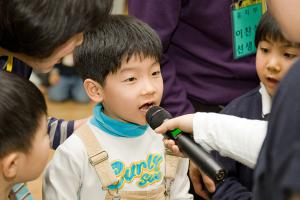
[[273, 65], [273, 68], [148, 88]]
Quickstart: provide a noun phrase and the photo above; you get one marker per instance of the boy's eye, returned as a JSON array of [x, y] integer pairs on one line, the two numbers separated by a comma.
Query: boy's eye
[[289, 55], [156, 73], [264, 50], [130, 79]]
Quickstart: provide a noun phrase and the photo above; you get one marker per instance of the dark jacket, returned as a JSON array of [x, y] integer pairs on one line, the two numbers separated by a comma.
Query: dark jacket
[[239, 183]]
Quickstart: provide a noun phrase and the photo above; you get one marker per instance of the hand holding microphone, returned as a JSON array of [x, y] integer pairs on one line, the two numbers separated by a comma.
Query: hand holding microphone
[[157, 115]]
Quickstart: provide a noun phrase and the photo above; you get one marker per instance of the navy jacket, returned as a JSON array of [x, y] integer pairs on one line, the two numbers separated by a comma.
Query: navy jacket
[[277, 171], [19, 68], [239, 183]]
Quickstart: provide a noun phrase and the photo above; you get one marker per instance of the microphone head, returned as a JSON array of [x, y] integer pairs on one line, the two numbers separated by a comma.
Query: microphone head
[[156, 115]]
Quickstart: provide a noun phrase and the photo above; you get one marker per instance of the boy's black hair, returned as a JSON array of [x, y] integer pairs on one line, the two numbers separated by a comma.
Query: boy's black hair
[[37, 27], [268, 29], [116, 40], [22, 106]]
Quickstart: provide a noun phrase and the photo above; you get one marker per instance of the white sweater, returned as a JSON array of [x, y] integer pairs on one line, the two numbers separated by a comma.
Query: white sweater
[[238, 138], [70, 176]]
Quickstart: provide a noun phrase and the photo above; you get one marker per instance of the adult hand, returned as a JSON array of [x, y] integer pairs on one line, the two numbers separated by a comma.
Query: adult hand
[[201, 182]]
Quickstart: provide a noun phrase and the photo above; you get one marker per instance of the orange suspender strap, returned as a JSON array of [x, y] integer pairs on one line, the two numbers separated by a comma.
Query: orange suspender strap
[[98, 157]]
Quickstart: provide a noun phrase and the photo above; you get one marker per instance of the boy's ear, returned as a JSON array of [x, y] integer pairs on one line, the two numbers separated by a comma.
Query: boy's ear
[[94, 90], [9, 165]]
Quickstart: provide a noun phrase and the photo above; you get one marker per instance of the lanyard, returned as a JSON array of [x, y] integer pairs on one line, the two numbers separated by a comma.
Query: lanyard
[[9, 64], [264, 6]]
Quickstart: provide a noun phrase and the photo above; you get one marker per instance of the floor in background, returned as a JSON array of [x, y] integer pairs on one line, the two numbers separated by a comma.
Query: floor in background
[[68, 110]]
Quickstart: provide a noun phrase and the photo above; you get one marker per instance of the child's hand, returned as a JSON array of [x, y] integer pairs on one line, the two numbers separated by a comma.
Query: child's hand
[[54, 77], [170, 144], [203, 185]]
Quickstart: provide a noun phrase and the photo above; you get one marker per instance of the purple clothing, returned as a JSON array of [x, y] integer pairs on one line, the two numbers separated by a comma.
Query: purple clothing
[[198, 59]]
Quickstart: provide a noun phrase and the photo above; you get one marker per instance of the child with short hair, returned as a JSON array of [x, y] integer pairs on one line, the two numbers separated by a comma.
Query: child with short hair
[[119, 63], [275, 55], [24, 142]]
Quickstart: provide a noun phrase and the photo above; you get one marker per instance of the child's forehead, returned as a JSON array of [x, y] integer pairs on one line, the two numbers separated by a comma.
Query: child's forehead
[[137, 57], [281, 42], [137, 61]]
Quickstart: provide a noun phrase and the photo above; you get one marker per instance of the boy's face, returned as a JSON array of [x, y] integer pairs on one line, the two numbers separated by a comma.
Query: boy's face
[[273, 60], [34, 162], [287, 15], [130, 91], [44, 65]]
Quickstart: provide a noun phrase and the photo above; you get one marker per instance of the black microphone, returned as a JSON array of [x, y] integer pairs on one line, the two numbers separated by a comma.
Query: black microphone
[[156, 115]]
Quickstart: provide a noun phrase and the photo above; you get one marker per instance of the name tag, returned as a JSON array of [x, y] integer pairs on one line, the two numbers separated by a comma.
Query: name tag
[[245, 16]]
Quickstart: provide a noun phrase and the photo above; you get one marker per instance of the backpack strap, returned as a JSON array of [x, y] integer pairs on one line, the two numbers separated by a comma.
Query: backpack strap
[[172, 162], [98, 157]]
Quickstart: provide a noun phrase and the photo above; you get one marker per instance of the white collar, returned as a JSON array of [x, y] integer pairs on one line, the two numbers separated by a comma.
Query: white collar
[[266, 100]]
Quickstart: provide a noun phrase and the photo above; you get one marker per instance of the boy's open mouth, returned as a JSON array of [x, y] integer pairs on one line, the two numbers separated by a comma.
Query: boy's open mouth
[[272, 80], [145, 107]]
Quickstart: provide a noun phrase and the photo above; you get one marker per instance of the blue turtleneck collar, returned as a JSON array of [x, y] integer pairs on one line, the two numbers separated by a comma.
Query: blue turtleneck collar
[[115, 127]]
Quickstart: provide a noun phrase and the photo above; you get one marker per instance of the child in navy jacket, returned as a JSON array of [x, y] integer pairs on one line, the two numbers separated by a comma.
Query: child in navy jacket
[[274, 57]]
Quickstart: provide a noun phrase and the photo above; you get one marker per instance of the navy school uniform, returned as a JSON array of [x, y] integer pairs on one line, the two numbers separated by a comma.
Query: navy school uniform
[[239, 183]]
